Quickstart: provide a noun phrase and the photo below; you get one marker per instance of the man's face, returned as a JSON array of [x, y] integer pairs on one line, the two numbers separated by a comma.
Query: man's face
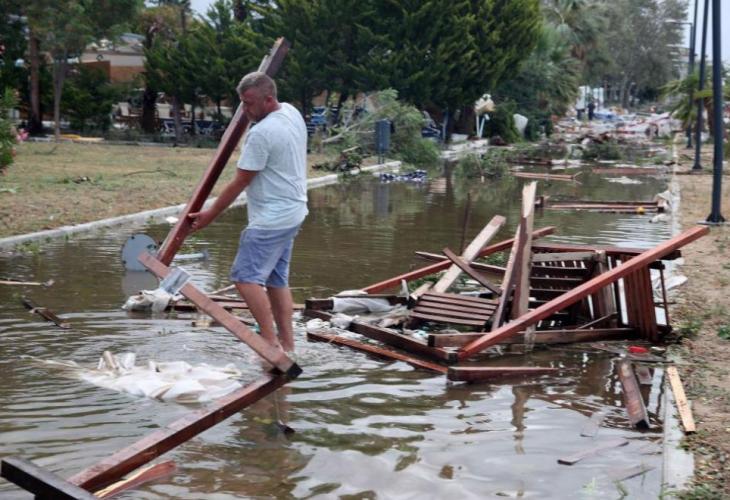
[[255, 104]]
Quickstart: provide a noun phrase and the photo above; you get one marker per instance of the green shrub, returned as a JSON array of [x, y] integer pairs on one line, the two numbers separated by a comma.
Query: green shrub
[[502, 123], [7, 131]]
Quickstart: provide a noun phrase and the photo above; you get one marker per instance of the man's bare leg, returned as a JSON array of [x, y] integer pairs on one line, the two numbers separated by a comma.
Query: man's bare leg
[[282, 306], [259, 305]]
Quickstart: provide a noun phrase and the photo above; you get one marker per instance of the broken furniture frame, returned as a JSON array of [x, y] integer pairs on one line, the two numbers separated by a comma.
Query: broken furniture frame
[[47, 485]]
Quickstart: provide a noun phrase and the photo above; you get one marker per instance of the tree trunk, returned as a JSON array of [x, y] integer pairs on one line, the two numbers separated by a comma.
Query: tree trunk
[[149, 110], [192, 118], [35, 120], [60, 65], [176, 117]]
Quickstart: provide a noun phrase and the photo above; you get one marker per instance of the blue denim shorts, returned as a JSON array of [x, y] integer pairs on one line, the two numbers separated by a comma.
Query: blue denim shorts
[[263, 257]]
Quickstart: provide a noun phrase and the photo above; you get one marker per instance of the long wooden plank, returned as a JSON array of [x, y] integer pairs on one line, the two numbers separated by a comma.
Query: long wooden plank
[[444, 264], [685, 413], [234, 131], [460, 299], [275, 356], [446, 319], [482, 373], [163, 440], [473, 273], [470, 252], [536, 270], [522, 278], [445, 306], [39, 481], [563, 256], [605, 445], [610, 251], [633, 399], [508, 281], [377, 351], [390, 337], [45, 313], [541, 337], [439, 311], [582, 291]]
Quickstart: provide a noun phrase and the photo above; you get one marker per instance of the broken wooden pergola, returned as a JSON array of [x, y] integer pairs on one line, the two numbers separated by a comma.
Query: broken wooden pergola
[[547, 294], [94, 481]]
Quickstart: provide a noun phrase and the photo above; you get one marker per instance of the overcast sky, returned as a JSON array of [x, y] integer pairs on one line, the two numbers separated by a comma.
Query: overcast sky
[[202, 6]]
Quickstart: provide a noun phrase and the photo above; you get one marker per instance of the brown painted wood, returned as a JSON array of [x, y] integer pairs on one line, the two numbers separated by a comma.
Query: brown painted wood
[[583, 290], [39, 481], [446, 319], [563, 256], [45, 313], [680, 398], [541, 337], [275, 356], [460, 299], [448, 313], [163, 440], [602, 446], [470, 253], [138, 478], [377, 351], [482, 373], [462, 308], [234, 131], [610, 251], [473, 273], [390, 337], [643, 374], [444, 264], [633, 399]]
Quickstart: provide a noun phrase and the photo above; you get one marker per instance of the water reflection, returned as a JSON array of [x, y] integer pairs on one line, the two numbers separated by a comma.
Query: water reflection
[[363, 428]]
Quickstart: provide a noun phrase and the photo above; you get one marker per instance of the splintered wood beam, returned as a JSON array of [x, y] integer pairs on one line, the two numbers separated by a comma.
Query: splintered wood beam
[[589, 287], [482, 373], [376, 351], [234, 131], [444, 264], [470, 252], [390, 337], [685, 413], [163, 440], [473, 273], [633, 400], [275, 356], [39, 481], [140, 477]]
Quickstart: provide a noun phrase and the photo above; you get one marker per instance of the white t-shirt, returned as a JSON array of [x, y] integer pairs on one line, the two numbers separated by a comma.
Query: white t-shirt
[[276, 147]]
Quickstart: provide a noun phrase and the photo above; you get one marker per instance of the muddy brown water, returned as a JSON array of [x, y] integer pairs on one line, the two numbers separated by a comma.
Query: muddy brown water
[[364, 428]]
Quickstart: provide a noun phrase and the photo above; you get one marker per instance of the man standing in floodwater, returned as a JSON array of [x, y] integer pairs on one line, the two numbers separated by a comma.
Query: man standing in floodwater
[[273, 170]]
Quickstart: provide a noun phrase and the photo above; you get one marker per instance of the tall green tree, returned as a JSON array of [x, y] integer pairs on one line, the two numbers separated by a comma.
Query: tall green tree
[[65, 27]]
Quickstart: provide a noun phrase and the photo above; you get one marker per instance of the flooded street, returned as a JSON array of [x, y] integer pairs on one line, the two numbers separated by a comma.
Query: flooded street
[[364, 428]]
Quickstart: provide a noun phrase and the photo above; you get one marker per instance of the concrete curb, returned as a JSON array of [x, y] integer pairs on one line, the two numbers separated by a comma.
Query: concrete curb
[[677, 463], [158, 214]]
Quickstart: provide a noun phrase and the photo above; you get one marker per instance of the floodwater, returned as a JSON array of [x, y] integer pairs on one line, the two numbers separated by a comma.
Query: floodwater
[[364, 428]]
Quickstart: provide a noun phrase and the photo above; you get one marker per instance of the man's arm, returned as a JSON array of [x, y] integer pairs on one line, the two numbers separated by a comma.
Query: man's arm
[[242, 179]]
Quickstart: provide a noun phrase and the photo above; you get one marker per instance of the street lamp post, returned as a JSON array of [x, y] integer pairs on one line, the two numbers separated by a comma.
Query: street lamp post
[[703, 65], [692, 36], [719, 130]]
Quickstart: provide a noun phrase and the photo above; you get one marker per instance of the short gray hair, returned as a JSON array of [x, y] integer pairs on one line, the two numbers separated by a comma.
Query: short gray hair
[[259, 80]]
